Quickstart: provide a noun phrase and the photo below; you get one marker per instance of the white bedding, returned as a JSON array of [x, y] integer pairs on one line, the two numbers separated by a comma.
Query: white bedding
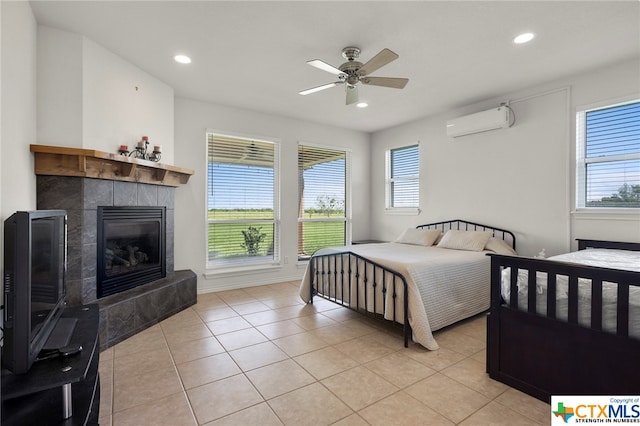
[[444, 286], [608, 258]]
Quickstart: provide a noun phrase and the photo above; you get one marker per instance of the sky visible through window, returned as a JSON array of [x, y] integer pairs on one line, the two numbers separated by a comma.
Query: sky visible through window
[[612, 131]]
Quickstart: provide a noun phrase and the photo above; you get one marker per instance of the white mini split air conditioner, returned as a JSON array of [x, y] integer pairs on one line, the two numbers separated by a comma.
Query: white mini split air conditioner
[[492, 119]]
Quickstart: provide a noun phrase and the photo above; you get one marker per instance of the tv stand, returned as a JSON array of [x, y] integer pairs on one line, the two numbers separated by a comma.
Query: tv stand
[[62, 390]]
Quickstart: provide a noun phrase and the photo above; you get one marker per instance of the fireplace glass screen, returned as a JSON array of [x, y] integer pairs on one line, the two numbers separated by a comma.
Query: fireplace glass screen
[[131, 247]]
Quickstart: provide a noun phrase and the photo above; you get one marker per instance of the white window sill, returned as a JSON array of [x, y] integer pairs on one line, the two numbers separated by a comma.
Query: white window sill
[[606, 214], [240, 270], [407, 212]]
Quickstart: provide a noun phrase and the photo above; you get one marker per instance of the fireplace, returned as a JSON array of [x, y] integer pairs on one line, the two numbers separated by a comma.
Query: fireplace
[[130, 247]]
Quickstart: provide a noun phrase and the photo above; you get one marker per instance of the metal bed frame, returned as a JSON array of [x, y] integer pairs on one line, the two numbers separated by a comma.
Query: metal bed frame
[[333, 277]]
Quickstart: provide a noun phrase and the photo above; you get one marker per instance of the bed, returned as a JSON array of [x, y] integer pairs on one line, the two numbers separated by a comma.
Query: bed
[[430, 277], [567, 325]]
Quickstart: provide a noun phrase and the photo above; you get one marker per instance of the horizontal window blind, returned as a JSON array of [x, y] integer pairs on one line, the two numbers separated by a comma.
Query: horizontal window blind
[[241, 198], [322, 185], [610, 160], [403, 177]]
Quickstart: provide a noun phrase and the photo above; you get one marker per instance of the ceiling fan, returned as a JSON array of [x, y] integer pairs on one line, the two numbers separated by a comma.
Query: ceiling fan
[[352, 72]]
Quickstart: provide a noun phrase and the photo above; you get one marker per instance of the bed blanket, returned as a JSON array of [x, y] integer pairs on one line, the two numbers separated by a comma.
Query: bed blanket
[[444, 286]]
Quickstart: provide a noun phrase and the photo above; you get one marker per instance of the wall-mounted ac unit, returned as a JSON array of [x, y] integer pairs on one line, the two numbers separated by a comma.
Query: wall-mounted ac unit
[[492, 119]]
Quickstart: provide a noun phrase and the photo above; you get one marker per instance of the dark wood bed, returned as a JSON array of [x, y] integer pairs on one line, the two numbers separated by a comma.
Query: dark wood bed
[[333, 281], [544, 356]]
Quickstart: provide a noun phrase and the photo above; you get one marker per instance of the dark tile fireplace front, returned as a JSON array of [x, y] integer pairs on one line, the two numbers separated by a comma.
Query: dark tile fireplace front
[[130, 247]]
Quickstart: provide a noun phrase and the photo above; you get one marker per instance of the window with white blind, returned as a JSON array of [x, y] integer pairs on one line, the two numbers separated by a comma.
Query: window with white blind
[[242, 201], [402, 183], [608, 156], [323, 201]]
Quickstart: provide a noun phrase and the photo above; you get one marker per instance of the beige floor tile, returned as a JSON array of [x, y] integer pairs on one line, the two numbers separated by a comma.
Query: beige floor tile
[[257, 355], [352, 420], [437, 360], [341, 314], [279, 378], [217, 314], [359, 387], [280, 329], [195, 349], [105, 370], [325, 362], [236, 297], [457, 341], [473, 374], [474, 327], [497, 414], [448, 397], [106, 354], [205, 370], [524, 404], [182, 319], [480, 356], [312, 405], [228, 325], [250, 308], [399, 369], [401, 409], [141, 342], [170, 411], [208, 301], [140, 362], [241, 338], [363, 350], [130, 391], [187, 333], [262, 318], [105, 419], [221, 398], [313, 321], [280, 302], [337, 333], [394, 341], [260, 414], [299, 344]]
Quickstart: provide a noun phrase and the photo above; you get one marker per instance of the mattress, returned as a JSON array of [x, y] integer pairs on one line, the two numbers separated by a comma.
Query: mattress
[[444, 285], [607, 258]]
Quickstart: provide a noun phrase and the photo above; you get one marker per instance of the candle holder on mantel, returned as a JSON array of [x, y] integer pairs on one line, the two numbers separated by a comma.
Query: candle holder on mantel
[[142, 152]]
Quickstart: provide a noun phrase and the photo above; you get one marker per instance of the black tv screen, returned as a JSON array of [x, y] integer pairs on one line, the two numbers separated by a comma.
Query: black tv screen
[[34, 283]]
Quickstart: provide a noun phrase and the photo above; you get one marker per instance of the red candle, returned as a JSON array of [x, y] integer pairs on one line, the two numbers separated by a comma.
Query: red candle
[[124, 147], [141, 144], [145, 138], [157, 148]]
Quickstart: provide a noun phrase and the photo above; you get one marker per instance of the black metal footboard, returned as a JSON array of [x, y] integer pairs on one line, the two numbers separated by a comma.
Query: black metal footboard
[[362, 285]]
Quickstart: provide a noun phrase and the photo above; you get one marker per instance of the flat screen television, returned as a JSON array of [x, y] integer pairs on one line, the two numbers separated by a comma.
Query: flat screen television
[[35, 260]]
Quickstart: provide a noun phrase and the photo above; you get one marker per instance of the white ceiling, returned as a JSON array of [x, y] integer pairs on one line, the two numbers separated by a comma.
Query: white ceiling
[[253, 54]]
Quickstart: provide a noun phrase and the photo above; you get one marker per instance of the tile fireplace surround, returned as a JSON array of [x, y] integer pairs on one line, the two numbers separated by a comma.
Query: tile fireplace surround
[[129, 312]]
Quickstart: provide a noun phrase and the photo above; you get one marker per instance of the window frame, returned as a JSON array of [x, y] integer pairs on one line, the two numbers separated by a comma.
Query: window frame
[[389, 182], [248, 263], [347, 220], [582, 161]]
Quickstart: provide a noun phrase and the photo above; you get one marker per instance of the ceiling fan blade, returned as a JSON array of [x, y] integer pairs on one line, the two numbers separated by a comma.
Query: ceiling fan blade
[[319, 88], [381, 59], [352, 94], [324, 66], [395, 83]]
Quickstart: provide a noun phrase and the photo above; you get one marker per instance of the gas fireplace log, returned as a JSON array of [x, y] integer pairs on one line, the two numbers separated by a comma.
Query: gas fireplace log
[[111, 259]]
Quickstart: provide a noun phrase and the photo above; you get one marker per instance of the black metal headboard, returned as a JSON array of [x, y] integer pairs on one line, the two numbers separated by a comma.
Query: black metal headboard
[[463, 225]]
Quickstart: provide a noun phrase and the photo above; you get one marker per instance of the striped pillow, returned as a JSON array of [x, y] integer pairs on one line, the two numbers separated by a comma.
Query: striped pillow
[[465, 240]]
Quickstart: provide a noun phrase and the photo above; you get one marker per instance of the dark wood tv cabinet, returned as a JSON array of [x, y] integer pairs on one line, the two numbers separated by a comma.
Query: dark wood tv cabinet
[[60, 391]]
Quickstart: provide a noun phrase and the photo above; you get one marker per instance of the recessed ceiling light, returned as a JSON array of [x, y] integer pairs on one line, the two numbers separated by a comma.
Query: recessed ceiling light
[[362, 104], [183, 59], [524, 38]]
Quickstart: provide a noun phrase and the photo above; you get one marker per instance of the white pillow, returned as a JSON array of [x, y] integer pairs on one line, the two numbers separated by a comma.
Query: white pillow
[[420, 237], [465, 240], [499, 246]]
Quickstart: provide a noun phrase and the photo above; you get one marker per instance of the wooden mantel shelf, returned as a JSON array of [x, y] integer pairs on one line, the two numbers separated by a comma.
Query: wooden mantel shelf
[[62, 161]]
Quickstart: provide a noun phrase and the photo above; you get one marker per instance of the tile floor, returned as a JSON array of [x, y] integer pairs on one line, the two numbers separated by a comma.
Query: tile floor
[[259, 356]]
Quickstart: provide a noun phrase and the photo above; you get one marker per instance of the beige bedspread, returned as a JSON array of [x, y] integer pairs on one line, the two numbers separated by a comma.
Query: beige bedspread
[[444, 286]]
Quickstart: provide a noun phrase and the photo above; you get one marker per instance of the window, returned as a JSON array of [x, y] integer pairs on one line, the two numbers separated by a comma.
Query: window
[[323, 207], [242, 201], [608, 157], [402, 179]]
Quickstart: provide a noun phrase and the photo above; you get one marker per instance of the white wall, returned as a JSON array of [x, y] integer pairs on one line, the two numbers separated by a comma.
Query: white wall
[[90, 98], [519, 178], [192, 119], [18, 107]]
